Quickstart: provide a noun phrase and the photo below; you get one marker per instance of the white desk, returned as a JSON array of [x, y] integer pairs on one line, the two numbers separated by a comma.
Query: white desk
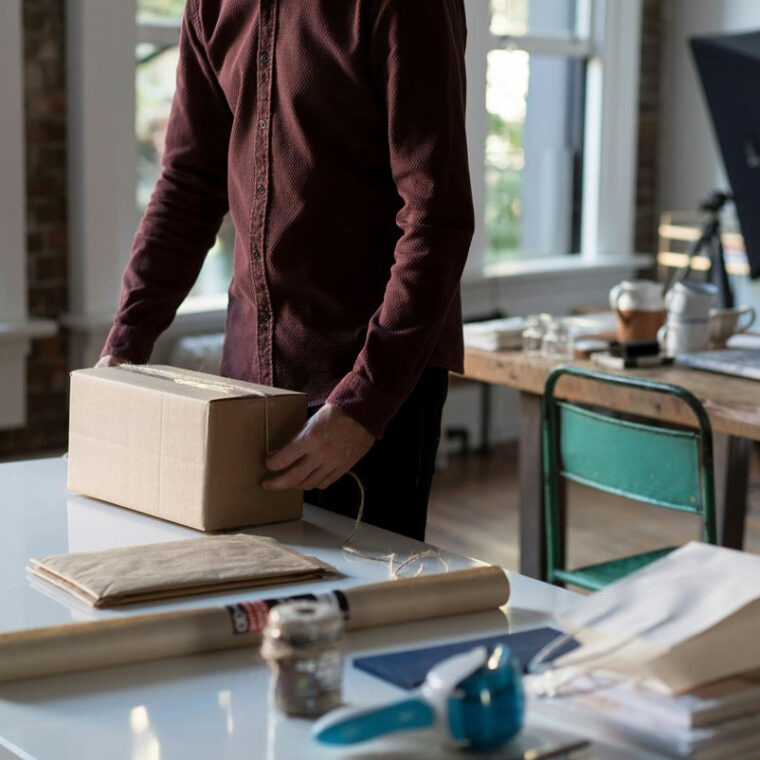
[[207, 707]]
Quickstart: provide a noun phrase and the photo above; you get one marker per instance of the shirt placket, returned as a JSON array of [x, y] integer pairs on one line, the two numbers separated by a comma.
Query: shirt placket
[[262, 190]]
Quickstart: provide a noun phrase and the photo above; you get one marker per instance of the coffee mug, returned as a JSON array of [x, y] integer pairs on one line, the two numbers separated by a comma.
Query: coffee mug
[[725, 322], [680, 337], [690, 299], [640, 309]]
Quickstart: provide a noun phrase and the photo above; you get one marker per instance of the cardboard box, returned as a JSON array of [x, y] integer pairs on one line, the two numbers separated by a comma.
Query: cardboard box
[[184, 446]]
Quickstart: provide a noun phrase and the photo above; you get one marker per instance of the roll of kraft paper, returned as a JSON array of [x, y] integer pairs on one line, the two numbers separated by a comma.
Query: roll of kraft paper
[[140, 638]]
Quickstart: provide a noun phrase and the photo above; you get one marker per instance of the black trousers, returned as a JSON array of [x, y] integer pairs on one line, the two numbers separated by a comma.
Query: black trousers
[[397, 471]]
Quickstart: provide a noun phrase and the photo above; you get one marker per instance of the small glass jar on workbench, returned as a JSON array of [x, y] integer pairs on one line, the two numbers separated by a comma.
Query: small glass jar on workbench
[[533, 333], [557, 344]]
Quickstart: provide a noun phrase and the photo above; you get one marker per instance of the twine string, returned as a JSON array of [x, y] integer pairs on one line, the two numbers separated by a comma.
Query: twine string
[[393, 568]]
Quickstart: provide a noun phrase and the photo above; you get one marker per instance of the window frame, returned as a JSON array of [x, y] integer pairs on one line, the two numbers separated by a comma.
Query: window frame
[[607, 38]]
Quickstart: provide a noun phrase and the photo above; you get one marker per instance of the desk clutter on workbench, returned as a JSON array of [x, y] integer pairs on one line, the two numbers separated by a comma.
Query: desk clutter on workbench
[[644, 329]]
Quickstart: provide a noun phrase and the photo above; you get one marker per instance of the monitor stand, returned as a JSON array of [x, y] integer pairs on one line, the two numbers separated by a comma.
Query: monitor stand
[[710, 240]]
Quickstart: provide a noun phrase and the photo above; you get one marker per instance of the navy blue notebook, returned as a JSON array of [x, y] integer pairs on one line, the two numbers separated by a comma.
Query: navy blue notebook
[[408, 669]]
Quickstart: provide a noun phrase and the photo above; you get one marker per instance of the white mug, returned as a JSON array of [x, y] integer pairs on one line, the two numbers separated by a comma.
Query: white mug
[[691, 299], [637, 295], [678, 337], [725, 322]]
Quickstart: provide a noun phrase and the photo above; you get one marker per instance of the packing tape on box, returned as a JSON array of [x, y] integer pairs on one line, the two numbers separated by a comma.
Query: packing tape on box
[[119, 641], [208, 385], [184, 379]]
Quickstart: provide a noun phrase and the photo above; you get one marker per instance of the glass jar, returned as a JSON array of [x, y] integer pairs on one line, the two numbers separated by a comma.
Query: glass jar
[[557, 344], [533, 333], [303, 644]]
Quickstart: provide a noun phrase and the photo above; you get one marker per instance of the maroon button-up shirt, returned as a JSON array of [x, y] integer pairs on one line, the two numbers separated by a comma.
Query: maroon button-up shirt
[[333, 130]]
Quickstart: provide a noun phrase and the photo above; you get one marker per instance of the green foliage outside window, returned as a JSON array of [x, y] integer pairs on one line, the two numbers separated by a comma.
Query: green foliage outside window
[[159, 10], [502, 212]]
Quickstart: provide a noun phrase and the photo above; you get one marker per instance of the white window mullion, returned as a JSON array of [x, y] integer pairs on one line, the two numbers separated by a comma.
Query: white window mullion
[[569, 47], [102, 154], [161, 35], [102, 150], [478, 41], [609, 172]]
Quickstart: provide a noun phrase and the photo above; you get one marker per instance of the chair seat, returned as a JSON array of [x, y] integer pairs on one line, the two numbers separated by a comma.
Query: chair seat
[[595, 577]]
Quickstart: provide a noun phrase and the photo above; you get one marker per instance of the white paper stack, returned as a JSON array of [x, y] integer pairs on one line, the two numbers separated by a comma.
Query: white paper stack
[[495, 334], [718, 721], [505, 334], [669, 658]]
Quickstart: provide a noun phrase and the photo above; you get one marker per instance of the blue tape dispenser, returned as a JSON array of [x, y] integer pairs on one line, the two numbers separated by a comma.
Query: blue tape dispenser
[[474, 700]]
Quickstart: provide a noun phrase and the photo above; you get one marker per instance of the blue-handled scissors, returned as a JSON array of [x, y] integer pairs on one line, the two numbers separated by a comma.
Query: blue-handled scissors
[[474, 700]]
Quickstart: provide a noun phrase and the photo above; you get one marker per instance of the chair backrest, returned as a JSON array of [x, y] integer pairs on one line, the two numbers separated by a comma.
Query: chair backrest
[[645, 462]]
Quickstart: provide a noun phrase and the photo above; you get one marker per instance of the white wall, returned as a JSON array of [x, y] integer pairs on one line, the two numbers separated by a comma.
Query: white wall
[[690, 165]]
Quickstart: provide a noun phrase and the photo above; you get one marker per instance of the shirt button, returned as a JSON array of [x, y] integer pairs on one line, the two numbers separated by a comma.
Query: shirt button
[[262, 124], [264, 58], [257, 254], [261, 189], [265, 316]]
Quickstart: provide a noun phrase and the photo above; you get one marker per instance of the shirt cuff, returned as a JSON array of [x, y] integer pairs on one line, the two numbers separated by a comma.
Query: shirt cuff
[[365, 403], [132, 343]]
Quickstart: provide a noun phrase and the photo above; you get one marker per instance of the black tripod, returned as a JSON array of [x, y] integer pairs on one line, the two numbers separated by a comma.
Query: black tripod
[[711, 243]]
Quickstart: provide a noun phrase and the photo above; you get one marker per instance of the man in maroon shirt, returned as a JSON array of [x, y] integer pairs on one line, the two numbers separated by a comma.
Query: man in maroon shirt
[[333, 131]]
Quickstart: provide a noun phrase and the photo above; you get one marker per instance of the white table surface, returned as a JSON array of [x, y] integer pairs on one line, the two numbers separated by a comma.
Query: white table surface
[[213, 706]]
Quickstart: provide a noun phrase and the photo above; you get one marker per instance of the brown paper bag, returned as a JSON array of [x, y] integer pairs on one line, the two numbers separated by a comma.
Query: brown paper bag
[[685, 620]]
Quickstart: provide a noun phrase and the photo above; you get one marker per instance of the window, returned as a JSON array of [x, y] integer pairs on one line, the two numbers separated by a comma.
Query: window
[[157, 52], [535, 89], [535, 98]]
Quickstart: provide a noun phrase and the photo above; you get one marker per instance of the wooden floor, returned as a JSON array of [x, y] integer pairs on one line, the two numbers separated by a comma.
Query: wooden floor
[[473, 511]]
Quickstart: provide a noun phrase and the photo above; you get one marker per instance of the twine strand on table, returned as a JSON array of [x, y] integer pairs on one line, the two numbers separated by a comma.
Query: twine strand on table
[[395, 570]]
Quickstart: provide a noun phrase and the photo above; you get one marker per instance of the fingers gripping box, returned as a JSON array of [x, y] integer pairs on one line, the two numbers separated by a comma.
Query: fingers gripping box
[[184, 446]]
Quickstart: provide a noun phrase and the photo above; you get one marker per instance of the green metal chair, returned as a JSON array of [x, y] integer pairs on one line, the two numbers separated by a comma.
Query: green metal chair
[[643, 462]]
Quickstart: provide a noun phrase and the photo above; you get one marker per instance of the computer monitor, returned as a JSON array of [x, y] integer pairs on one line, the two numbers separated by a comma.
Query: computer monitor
[[729, 67]]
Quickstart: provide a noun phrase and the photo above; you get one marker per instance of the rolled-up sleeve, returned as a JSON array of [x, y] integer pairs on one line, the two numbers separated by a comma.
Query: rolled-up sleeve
[[418, 62], [186, 208]]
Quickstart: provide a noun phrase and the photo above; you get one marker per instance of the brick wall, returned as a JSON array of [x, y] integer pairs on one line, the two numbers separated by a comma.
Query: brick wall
[[45, 127], [652, 38]]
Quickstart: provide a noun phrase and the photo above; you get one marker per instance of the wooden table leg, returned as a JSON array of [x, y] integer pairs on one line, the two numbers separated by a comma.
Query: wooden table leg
[[731, 478], [532, 532]]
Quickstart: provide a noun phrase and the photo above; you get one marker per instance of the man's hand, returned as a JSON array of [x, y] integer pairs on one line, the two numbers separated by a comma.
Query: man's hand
[[109, 360], [327, 447]]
